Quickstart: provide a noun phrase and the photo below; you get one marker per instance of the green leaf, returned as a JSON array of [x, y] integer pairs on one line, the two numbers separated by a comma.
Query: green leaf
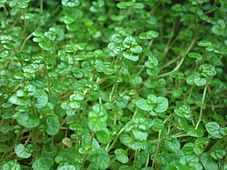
[[196, 79], [72, 105], [136, 49], [43, 41], [116, 84], [27, 120], [105, 67], [136, 80], [162, 105], [115, 48], [138, 5], [43, 163], [19, 3], [95, 124], [140, 135], [223, 131], [213, 129], [121, 155], [157, 124], [104, 136], [70, 48], [142, 104], [70, 3], [129, 41], [195, 56], [66, 167], [154, 71], [183, 111], [76, 97], [200, 145], [188, 148], [152, 99], [100, 159], [41, 99], [218, 153], [18, 100], [130, 142], [208, 163], [130, 56], [10, 41], [219, 27], [11, 165], [199, 81], [22, 151], [52, 125], [148, 35], [97, 118], [45, 44], [172, 145], [204, 43], [208, 69], [124, 5], [195, 132]]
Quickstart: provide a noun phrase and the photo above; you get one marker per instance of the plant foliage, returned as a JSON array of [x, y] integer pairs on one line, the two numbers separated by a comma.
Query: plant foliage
[[102, 84]]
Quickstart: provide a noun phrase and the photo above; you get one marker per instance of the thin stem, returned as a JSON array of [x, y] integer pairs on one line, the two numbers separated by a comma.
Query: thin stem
[[157, 148], [112, 91], [181, 135], [41, 6], [86, 155], [147, 162], [108, 148], [14, 53], [168, 117], [25, 40], [114, 87], [48, 80], [141, 70], [116, 77], [27, 140], [201, 109], [168, 45], [135, 154], [181, 61], [170, 62]]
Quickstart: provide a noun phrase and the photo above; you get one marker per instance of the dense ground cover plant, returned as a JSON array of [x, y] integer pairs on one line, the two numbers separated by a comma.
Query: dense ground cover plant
[[113, 84]]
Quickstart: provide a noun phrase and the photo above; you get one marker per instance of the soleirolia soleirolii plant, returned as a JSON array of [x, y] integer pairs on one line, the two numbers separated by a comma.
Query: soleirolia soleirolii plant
[[111, 84]]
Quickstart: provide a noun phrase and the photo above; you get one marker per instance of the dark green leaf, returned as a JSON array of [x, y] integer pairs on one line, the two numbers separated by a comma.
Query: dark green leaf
[[100, 159], [131, 56], [121, 155], [43, 163], [22, 151], [124, 5], [213, 129], [52, 125], [27, 120], [149, 35], [208, 163], [162, 105], [142, 104]]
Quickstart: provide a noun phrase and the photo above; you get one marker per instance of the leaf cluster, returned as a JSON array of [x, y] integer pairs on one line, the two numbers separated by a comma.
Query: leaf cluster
[[97, 84]]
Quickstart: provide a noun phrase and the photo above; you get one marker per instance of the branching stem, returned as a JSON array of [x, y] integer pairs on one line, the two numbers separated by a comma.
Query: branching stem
[[201, 109], [181, 61]]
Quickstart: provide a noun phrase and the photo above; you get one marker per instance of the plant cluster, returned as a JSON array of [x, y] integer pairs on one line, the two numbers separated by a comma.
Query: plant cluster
[[108, 84]]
